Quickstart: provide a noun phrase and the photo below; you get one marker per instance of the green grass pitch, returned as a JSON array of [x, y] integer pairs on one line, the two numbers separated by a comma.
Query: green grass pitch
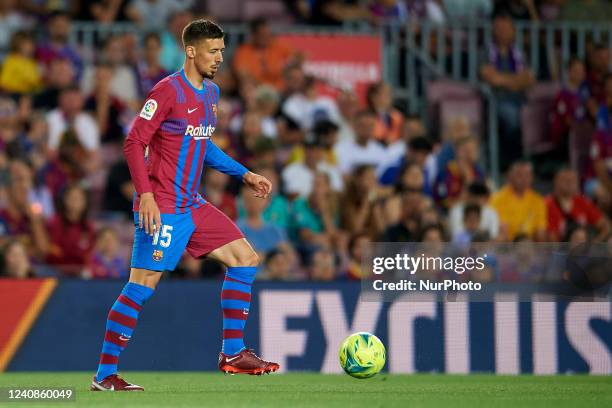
[[192, 389]]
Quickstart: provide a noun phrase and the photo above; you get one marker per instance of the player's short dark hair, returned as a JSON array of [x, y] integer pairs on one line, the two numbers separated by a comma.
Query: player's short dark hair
[[199, 30]]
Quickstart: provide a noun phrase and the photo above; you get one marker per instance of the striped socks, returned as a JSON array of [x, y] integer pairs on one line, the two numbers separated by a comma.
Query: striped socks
[[120, 324], [235, 302]]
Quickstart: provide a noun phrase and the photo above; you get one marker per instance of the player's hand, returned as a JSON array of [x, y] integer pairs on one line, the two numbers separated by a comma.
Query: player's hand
[[148, 214], [261, 185]]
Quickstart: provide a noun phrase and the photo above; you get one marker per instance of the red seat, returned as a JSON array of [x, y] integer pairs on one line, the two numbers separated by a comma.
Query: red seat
[[535, 127], [445, 100], [535, 118], [580, 139]]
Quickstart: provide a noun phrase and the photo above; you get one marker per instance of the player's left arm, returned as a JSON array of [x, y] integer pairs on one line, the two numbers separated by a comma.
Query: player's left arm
[[219, 160]]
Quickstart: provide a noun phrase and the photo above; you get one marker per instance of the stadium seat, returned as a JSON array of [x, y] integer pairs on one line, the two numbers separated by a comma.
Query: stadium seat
[[580, 138], [468, 107], [534, 128], [452, 93], [270, 9], [535, 121], [225, 10]]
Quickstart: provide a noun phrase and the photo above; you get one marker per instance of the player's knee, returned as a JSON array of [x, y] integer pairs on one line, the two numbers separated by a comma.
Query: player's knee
[[247, 258]]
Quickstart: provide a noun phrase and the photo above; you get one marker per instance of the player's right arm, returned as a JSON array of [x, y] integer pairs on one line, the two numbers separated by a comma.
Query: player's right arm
[[154, 111]]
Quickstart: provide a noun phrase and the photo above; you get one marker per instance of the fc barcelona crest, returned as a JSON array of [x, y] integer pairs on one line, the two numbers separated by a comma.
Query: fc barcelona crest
[[214, 108], [158, 254]]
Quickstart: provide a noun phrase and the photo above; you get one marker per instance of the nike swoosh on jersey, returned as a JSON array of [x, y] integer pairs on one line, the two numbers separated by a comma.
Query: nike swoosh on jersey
[[191, 110]]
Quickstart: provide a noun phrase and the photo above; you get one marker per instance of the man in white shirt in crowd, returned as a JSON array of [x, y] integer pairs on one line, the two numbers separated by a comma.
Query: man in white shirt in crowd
[[298, 177], [70, 116], [364, 150]]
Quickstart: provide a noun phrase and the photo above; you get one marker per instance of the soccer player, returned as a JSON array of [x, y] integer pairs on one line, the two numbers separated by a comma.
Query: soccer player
[[166, 150]]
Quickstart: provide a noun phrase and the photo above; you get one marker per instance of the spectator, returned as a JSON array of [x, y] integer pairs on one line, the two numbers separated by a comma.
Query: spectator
[[598, 66], [103, 11], [326, 132], [267, 101], [390, 121], [521, 210], [599, 175], [418, 152], [277, 211], [322, 265], [459, 173], [504, 68], [106, 263], [71, 233], [456, 128], [107, 109], [432, 234], [11, 20], [581, 10], [477, 194], [471, 225], [69, 116], [172, 55], [407, 229], [119, 191], [262, 235], [149, 70], [250, 134], [294, 79], [348, 106], [425, 10], [123, 84], [567, 208], [336, 12], [39, 194], [19, 72], [412, 177], [153, 14], [216, 187], [570, 104], [277, 266], [362, 203], [21, 219], [14, 261], [516, 9], [468, 10], [315, 219], [308, 107], [389, 12], [357, 244], [57, 46], [264, 57], [604, 115], [298, 177], [59, 76], [364, 150]]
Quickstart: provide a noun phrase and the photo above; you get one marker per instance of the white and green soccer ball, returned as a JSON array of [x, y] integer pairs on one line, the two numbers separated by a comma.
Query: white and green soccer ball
[[362, 355]]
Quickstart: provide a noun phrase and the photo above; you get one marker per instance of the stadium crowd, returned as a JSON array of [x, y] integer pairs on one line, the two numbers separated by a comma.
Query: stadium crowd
[[345, 173]]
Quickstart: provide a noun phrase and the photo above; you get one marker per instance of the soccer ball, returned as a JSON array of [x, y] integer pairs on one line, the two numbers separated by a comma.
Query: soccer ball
[[362, 355]]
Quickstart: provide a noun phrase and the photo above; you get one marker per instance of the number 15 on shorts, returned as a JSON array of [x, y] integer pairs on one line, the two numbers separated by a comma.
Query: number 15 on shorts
[[163, 236]]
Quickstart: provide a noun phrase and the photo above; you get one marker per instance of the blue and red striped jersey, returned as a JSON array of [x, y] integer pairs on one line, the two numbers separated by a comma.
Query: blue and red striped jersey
[[170, 142]]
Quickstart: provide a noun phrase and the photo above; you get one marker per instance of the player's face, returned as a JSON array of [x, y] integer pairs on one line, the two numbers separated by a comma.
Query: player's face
[[209, 56]]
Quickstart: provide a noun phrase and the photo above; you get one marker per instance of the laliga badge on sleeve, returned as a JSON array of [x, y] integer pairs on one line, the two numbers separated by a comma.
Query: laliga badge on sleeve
[[148, 110]]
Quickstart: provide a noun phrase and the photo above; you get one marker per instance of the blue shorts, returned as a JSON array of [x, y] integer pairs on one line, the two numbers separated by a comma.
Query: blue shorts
[[199, 231]]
